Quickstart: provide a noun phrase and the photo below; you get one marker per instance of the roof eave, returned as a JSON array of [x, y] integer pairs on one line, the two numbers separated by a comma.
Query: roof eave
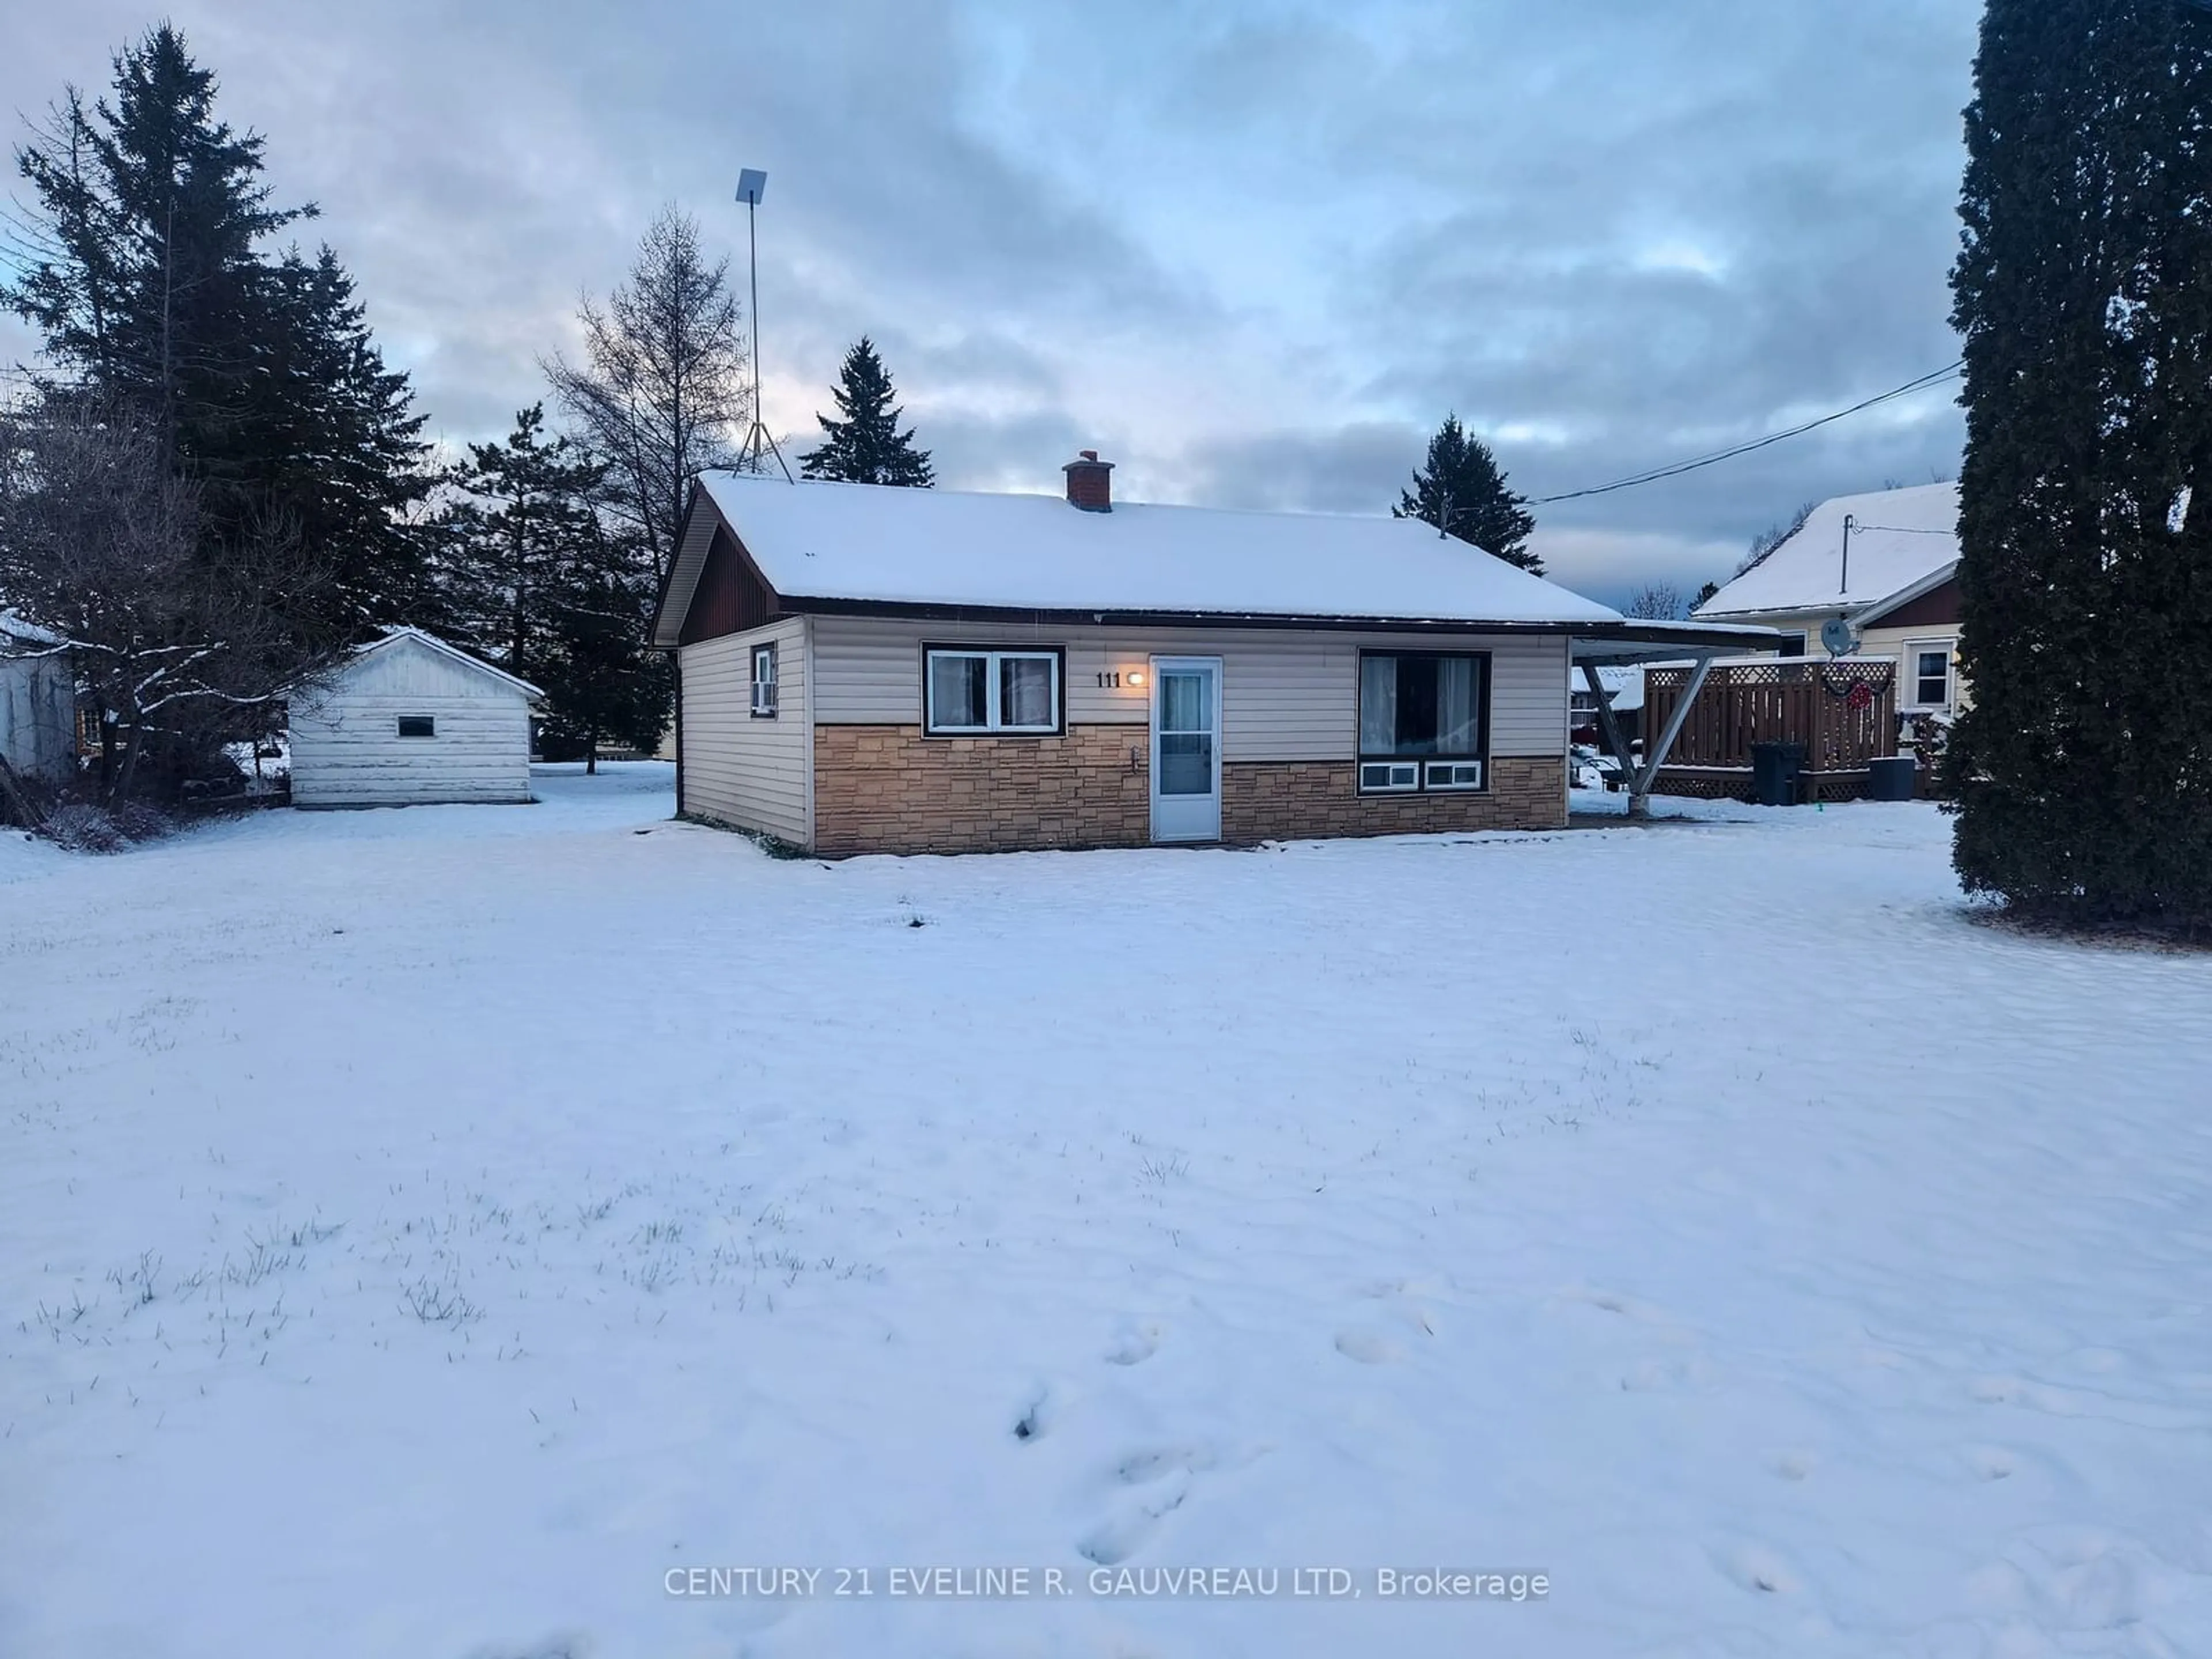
[[1123, 616]]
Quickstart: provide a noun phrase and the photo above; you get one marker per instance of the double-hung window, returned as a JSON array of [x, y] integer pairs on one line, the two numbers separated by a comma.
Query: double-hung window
[[981, 692], [1931, 676], [1424, 720], [764, 682]]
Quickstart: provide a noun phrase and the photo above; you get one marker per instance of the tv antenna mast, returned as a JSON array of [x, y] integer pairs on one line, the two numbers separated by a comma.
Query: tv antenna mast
[[752, 184]]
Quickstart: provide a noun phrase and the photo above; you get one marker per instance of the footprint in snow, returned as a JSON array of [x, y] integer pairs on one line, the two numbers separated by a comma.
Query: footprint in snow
[[1135, 1344], [1757, 1567], [1795, 1464], [1990, 1462], [1036, 1416], [1368, 1348]]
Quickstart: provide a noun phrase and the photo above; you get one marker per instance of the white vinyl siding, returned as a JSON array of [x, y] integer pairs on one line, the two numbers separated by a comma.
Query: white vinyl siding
[[347, 750], [1286, 696], [38, 715], [755, 774]]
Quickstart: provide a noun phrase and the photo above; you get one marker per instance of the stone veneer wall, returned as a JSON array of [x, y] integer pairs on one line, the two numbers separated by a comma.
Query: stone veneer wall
[[888, 789], [1283, 800]]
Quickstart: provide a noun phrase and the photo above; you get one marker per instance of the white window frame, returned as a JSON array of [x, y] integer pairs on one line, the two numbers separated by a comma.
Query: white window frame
[[1421, 780], [1913, 648], [994, 658], [764, 708]]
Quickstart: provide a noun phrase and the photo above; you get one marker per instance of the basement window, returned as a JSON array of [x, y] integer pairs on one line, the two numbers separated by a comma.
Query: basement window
[[764, 682], [418, 726], [984, 693], [1424, 720]]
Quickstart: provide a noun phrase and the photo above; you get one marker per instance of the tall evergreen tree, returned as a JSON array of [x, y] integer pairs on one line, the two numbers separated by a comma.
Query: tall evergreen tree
[[601, 686], [865, 445], [1460, 490], [2082, 772], [524, 519], [146, 277]]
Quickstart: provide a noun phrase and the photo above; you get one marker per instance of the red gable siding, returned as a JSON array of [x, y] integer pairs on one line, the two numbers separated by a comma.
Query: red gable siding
[[731, 597], [1938, 607]]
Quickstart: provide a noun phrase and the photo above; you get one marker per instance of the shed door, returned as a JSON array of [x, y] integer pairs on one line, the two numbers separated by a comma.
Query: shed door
[[1186, 748]]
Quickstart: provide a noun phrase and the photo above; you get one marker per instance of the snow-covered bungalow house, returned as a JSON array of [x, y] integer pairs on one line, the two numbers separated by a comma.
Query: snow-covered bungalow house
[[38, 702], [1892, 575], [870, 669], [410, 720]]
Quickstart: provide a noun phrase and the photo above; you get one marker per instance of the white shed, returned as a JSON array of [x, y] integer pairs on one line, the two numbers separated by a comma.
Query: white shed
[[410, 720], [38, 702]]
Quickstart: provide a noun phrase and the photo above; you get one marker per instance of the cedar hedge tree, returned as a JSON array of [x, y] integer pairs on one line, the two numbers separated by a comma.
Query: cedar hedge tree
[[2081, 775]]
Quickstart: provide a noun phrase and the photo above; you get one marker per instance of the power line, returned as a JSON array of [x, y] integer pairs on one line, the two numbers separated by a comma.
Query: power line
[[1677, 469]]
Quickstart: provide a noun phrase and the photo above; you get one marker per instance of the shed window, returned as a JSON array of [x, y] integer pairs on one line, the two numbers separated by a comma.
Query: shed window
[[973, 693], [1426, 706], [764, 682], [1931, 676], [418, 726]]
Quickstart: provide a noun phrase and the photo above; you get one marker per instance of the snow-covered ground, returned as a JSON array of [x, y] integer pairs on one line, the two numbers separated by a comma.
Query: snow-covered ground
[[421, 1232]]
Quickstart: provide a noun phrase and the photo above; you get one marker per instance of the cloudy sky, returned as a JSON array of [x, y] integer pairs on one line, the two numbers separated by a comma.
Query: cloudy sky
[[1251, 252]]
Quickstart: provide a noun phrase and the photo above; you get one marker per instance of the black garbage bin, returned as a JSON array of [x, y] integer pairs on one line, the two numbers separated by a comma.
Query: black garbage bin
[[1892, 778], [1774, 770]]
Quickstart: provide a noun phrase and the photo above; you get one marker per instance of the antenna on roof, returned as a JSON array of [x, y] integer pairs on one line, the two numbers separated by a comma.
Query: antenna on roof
[[752, 185]]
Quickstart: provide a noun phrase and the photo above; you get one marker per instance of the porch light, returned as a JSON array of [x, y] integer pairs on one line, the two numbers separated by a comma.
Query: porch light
[[1135, 676]]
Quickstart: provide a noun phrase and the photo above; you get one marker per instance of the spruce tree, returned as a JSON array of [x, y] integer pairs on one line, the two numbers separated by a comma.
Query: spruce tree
[[866, 445], [2081, 772], [151, 287], [1460, 490]]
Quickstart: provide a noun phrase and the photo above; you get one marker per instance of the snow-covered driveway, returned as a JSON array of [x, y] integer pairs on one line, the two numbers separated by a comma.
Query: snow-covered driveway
[[422, 1232]]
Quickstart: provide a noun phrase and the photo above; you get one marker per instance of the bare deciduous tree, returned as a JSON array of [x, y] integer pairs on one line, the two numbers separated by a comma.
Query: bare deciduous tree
[[662, 389], [1774, 535], [1657, 601], [100, 546]]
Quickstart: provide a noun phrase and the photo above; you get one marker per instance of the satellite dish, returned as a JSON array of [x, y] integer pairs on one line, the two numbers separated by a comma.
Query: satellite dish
[[1835, 635]]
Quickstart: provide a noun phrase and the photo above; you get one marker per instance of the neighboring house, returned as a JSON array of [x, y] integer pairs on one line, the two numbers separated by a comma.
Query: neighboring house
[[1896, 584], [410, 720], [1624, 689], [38, 702], [872, 669]]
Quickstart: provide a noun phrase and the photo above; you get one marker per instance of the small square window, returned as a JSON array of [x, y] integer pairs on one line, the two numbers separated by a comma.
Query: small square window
[[418, 726], [764, 682]]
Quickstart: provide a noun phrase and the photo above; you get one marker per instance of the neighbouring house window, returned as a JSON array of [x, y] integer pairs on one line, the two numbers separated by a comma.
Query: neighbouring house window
[[418, 726], [1931, 676], [1793, 644], [979, 692], [764, 682], [1423, 723]]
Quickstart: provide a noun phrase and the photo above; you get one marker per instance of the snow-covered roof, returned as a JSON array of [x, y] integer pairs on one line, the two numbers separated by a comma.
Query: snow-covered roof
[[1624, 686], [878, 545], [1899, 537], [20, 630], [393, 636]]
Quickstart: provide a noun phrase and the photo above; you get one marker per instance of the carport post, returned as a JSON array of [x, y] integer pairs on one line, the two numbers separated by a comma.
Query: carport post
[[1608, 724], [1655, 756]]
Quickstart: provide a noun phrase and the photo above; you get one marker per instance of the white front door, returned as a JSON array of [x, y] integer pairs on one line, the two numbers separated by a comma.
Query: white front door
[[1186, 748]]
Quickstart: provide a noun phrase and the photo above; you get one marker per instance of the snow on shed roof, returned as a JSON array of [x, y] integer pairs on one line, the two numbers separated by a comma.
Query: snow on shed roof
[[876, 544], [1898, 537], [393, 636], [23, 631]]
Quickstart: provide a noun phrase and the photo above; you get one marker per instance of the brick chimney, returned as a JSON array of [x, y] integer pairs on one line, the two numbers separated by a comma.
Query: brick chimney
[[1090, 483]]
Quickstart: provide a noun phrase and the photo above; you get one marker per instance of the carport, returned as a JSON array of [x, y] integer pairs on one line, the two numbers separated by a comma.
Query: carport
[[1698, 644]]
